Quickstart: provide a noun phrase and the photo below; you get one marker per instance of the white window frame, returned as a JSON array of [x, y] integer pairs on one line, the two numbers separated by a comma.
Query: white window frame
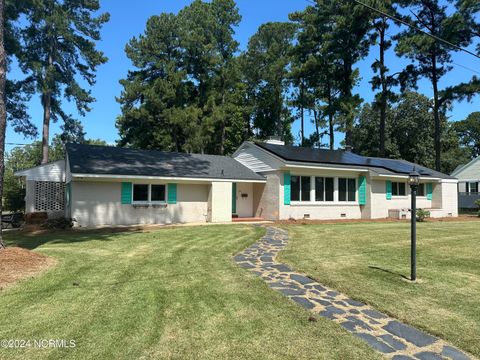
[[149, 201], [400, 196], [314, 188], [301, 191], [335, 192], [469, 187], [346, 193], [424, 190]]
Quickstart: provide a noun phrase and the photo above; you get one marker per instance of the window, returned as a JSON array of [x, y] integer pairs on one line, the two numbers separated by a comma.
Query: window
[[346, 189], [319, 189], [157, 193], [399, 189], [421, 190], [295, 188], [140, 193], [305, 188], [329, 189], [145, 193], [472, 187], [352, 189], [300, 188]]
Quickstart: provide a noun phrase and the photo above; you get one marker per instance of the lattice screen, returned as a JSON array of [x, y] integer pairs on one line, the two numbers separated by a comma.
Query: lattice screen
[[49, 196]]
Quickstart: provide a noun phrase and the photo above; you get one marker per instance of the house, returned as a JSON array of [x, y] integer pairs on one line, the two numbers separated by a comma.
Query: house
[[468, 184], [99, 185]]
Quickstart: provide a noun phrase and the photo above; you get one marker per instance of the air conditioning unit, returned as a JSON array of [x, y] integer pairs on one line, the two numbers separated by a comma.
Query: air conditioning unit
[[399, 214]]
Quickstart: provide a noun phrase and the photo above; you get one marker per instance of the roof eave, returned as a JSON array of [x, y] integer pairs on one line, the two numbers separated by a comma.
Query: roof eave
[[168, 178]]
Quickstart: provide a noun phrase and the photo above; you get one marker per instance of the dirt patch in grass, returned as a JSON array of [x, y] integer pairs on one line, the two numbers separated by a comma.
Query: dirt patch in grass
[[387, 220], [17, 264]]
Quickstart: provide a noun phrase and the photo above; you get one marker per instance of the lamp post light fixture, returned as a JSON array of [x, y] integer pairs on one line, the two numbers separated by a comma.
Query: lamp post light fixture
[[413, 181]]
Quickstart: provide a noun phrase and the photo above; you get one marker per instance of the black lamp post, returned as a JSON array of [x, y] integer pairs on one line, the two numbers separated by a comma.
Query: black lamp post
[[413, 181]]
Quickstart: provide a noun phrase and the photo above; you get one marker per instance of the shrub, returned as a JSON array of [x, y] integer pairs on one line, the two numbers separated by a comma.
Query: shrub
[[60, 223], [422, 215], [477, 202]]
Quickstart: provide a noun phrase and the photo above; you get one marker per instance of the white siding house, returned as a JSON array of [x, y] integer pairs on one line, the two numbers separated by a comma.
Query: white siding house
[[468, 184]]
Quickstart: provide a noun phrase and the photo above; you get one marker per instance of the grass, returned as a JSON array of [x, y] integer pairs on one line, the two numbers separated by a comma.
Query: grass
[[171, 293], [370, 261]]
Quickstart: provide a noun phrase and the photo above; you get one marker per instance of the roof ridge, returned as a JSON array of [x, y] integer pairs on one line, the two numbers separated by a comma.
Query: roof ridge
[[146, 150]]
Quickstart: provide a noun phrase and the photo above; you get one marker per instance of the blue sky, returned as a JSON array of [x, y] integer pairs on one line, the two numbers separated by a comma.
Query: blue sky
[[128, 21]]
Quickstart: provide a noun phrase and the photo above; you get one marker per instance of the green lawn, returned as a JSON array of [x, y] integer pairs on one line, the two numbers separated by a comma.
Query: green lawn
[[171, 293], [369, 261]]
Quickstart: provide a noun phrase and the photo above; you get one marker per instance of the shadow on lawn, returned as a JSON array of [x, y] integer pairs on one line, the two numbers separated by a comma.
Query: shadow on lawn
[[31, 241], [388, 271]]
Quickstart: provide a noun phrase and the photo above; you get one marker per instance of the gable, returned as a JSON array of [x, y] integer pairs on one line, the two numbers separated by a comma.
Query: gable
[[54, 172], [256, 159], [470, 171]]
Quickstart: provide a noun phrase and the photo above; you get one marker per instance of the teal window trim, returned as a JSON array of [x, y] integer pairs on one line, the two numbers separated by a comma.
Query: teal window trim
[[286, 188], [172, 193], [126, 193], [362, 190], [429, 191], [388, 189]]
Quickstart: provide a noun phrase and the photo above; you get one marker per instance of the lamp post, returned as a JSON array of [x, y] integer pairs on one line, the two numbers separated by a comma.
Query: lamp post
[[413, 181]]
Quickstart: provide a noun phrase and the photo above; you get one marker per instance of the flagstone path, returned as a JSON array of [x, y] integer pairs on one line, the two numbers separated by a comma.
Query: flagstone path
[[387, 335]]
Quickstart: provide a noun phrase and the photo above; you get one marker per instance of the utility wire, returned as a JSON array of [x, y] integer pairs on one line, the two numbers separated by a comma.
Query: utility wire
[[452, 63], [394, 18]]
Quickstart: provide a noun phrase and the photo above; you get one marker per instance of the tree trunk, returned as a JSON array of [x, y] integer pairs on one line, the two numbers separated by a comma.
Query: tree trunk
[[436, 110], [347, 96], [47, 109], [222, 127], [46, 102], [317, 130], [383, 101], [3, 111], [302, 113], [331, 131]]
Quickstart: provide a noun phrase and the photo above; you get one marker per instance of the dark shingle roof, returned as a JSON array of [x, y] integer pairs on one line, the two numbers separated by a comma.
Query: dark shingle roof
[[341, 157], [109, 160]]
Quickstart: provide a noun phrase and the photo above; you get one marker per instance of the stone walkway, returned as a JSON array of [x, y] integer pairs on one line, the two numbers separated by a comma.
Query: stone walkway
[[385, 334]]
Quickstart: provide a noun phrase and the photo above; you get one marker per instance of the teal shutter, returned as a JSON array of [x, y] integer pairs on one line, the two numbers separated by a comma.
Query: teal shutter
[[172, 193], [126, 193], [429, 191], [388, 189], [362, 190], [234, 198], [286, 188]]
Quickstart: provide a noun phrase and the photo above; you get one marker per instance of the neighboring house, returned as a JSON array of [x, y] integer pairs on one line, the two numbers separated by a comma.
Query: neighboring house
[[468, 184], [120, 186]]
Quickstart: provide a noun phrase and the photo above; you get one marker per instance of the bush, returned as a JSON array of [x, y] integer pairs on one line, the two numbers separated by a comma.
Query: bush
[[477, 202], [422, 215], [60, 223]]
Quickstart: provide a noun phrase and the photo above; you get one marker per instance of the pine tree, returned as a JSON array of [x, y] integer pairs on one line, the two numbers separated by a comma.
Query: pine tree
[[268, 57], [432, 58], [58, 48]]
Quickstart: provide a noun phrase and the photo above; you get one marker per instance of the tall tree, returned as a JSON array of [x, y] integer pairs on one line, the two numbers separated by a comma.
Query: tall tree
[[268, 56], [183, 95], [58, 48], [3, 108], [382, 80], [408, 133], [433, 58], [331, 39], [469, 132], [350, 44]]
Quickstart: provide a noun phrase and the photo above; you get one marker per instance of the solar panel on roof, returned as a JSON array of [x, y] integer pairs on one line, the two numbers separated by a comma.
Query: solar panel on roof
[[340, 157]]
